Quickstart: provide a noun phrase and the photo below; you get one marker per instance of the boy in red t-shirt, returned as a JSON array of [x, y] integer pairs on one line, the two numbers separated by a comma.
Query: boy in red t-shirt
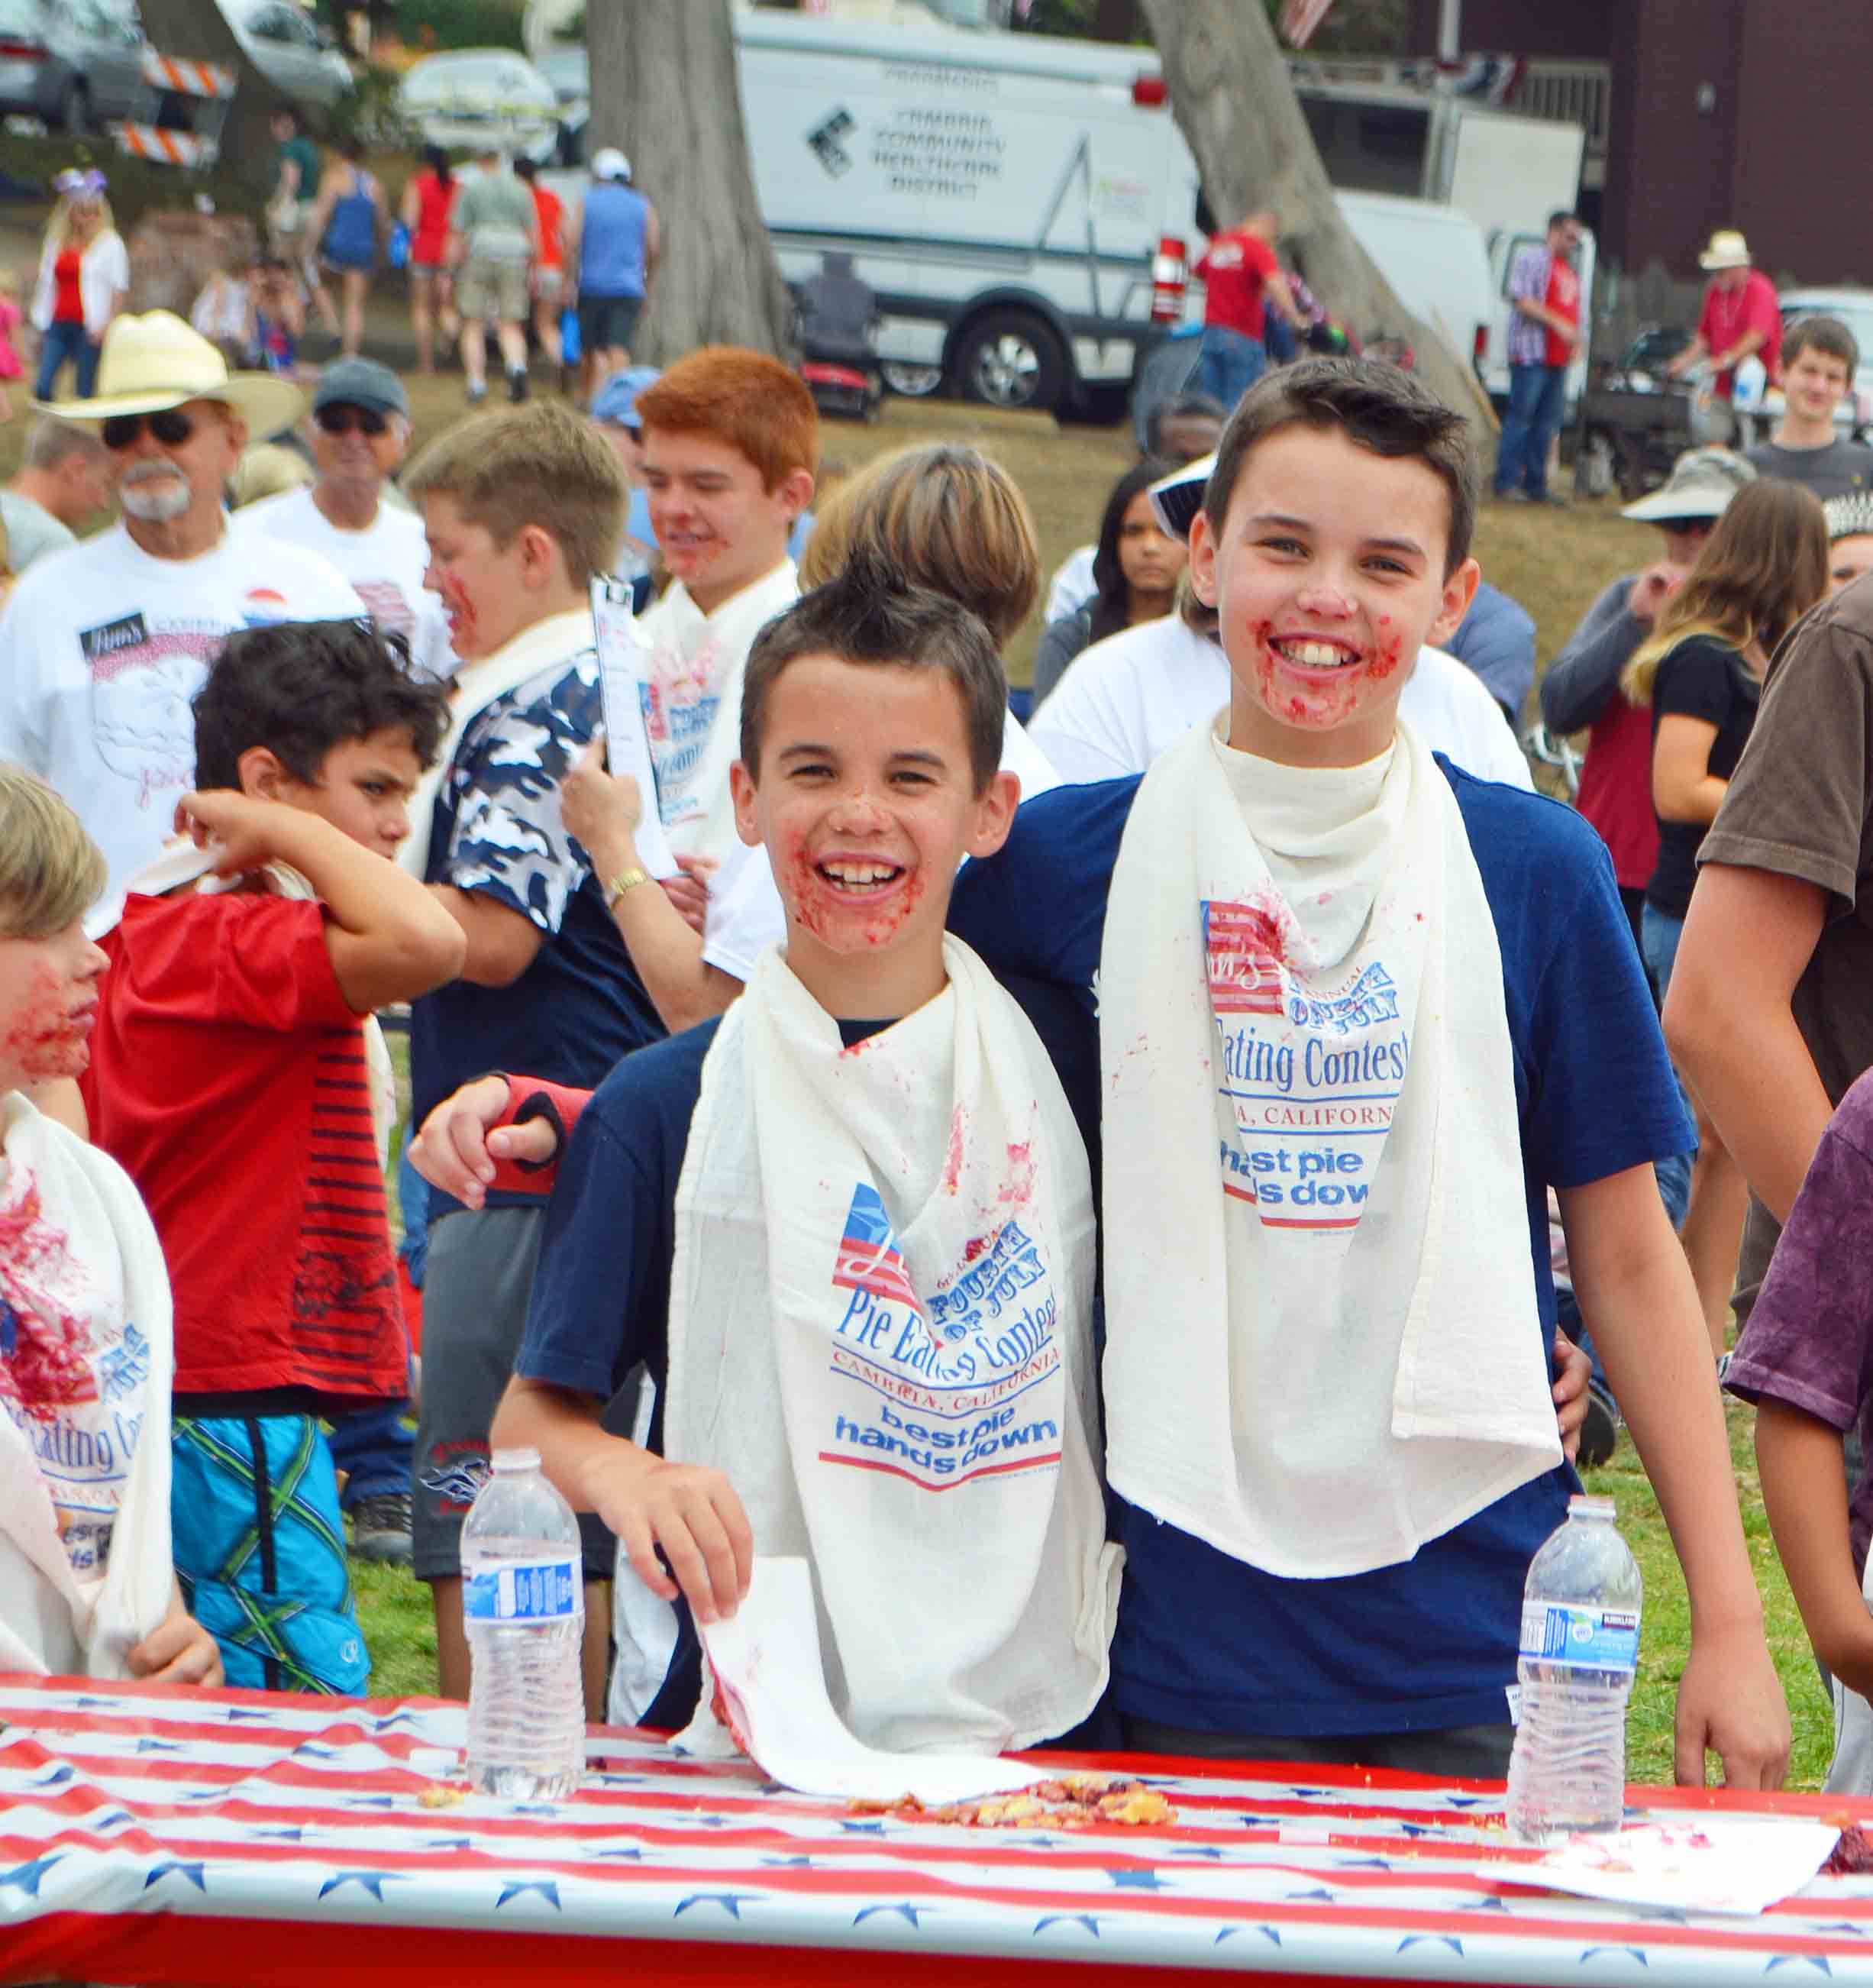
[[232, 1076]]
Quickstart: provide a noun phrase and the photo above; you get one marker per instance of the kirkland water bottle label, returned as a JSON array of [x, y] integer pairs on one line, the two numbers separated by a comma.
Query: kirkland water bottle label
[[1598, 1639], [545, 1591]]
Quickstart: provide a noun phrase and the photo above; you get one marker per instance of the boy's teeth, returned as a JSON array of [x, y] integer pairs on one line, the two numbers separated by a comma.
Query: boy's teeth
[[859, 873], [1316, 655]]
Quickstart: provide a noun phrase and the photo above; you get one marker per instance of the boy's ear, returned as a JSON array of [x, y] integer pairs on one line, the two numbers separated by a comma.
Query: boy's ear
[[263, 777], [795, 491], [741, 789], [1203, 559], [995, 807], [1459, 591], [542, 560]]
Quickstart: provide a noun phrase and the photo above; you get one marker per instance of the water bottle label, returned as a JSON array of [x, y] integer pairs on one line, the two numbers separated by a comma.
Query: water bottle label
[[1563, 1632], [546, 1591]]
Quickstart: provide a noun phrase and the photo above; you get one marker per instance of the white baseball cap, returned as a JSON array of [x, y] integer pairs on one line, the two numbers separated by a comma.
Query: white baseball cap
[[610, 163]]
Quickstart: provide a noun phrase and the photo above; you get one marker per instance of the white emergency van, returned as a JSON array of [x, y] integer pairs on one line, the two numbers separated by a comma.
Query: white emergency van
[[1008, 196]]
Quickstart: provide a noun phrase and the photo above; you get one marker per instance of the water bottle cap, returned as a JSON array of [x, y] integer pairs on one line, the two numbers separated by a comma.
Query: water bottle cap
[[1583, 1507], [515, 1459]]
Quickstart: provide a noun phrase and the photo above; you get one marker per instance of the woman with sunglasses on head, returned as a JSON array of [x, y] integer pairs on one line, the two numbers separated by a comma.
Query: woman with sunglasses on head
[[84, 277], [359, 433]]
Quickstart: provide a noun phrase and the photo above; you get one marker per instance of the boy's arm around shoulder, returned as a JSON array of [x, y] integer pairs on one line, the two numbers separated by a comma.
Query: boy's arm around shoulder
[[1802, 1360], [387, 938], [1037, 907]]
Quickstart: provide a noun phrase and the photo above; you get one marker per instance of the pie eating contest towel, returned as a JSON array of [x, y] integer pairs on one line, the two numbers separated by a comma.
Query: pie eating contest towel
[[880, 1330], [1329, 1353], [86, 1362]]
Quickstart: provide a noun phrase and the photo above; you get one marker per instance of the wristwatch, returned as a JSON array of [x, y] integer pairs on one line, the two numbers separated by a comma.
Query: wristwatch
[[625, 880]]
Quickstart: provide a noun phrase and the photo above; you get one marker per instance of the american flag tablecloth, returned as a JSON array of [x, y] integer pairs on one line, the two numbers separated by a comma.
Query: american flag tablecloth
[[155, 1835]]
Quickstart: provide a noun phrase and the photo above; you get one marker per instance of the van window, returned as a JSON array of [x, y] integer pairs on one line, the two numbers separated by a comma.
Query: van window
[[1370, 147]]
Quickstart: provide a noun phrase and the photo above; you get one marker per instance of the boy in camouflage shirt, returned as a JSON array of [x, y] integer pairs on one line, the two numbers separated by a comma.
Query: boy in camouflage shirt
[[521, 508]]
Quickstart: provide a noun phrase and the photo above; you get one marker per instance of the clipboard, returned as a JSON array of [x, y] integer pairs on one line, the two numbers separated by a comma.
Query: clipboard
[[627, 749]]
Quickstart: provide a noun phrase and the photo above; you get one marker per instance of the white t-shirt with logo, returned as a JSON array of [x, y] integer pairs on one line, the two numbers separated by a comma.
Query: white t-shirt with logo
[[102, 648], [385, 562], [1126, 698]]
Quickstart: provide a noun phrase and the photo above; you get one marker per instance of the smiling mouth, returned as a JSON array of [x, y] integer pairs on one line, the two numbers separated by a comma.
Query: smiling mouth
[[860, 879], [1312, 653]]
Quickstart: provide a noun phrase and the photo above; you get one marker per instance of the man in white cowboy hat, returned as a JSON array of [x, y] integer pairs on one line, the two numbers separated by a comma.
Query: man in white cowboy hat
[[1740, 315], [102, 645]]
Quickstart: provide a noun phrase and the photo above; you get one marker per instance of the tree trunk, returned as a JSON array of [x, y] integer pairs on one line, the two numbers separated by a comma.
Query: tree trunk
[[199, 29], [666, 90], [1231, 94]]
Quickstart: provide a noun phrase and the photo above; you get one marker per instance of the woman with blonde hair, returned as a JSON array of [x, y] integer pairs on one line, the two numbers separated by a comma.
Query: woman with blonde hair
[[948, 518], [1701, 669], [84, 277]]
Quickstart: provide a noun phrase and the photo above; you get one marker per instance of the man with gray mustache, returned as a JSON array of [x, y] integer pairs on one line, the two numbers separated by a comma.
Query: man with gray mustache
[[103, 645]]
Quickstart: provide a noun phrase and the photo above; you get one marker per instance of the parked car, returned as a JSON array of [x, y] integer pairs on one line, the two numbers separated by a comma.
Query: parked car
[[566, 67], [74, 63], [289, 49], [471, 96]]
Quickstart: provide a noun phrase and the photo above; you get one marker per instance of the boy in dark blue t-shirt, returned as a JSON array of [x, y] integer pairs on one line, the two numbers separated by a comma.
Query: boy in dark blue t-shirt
[[1357, 1012], [849, 1229]]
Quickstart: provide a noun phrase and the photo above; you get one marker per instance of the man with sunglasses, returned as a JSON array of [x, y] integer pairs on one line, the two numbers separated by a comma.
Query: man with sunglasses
[[360, 434], [103, 645]]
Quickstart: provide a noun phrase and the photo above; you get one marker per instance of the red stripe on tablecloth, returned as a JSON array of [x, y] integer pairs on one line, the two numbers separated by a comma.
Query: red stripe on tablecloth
[[167, 1953]]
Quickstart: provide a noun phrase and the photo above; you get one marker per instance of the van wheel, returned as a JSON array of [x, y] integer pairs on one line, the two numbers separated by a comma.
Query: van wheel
[[1012, 359], [912, 382]]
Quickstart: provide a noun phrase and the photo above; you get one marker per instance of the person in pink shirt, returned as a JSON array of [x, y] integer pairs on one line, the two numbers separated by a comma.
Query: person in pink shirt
[[1740, 315]]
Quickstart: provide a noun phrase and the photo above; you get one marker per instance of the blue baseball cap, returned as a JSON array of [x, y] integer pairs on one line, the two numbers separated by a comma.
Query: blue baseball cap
[[616, 402]]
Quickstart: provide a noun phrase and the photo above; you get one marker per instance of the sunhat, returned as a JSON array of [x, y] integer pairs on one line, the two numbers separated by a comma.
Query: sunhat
[[608, 163], [1849, 515], [155, 361], [1702, 483], [1727, 250], [1178, 497]]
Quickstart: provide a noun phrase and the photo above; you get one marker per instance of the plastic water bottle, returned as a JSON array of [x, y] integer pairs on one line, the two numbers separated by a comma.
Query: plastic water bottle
[[524, 1607], [1579, 1648]]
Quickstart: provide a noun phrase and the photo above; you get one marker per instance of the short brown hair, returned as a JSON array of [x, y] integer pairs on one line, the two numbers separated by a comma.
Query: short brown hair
[[946, 517], [1826, 335], [535, 465], [50, 871], [1380, 408], [870, 612], [746, 399]]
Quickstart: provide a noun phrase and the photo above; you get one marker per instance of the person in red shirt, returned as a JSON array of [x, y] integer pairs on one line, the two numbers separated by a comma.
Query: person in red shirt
[[549, 270], [1740, 317], [232, 1076], [1241, 279], [1544, 334]]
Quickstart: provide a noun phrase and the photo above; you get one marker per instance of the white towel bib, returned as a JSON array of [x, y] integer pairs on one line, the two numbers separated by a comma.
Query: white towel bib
[[880, 1329], [1330, 1354]]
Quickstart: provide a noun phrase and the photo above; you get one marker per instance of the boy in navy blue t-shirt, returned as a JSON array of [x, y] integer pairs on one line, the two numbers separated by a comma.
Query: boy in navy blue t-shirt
[[847, 1228], [1395, 1004]]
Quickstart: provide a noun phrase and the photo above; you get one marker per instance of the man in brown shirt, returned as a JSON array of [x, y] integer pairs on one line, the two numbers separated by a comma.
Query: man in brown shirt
[[1770, 1011]]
